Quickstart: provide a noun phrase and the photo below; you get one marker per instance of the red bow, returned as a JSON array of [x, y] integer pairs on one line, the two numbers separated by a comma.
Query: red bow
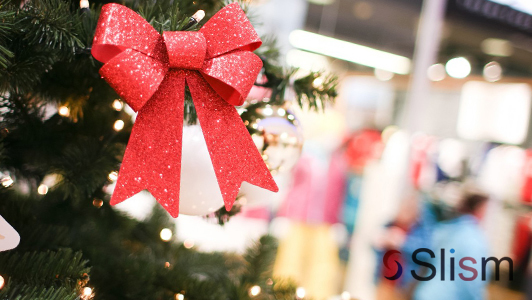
[[149, 71]]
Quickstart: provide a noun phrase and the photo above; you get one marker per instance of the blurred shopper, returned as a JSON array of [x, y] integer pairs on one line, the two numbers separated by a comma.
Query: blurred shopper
[[462, 236]]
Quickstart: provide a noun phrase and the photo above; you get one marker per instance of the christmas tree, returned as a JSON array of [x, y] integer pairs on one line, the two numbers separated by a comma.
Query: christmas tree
[[63, 131]]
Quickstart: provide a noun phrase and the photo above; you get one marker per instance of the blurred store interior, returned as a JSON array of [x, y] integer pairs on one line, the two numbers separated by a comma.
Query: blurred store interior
[[434, 105]]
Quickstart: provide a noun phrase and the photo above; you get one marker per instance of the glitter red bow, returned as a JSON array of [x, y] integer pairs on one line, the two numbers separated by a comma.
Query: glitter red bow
[[149, 71]]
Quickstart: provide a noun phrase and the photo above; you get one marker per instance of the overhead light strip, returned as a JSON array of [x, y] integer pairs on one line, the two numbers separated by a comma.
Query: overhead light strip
[[351, 52]]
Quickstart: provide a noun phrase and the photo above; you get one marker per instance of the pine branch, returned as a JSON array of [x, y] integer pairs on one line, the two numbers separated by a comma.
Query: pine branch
[[278, 79], [6, 27], [260, 259], [316, 96], [52, 25], [31, 292], [35, 37], [62, 268]]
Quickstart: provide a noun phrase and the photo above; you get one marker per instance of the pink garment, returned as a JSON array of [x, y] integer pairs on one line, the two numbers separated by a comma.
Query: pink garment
[[260, 212], [317, 192]]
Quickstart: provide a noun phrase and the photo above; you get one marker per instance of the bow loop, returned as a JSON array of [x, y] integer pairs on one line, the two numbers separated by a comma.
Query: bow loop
[[228, 30], [186, 49], [232, 75], [135, 33], [134, 76]]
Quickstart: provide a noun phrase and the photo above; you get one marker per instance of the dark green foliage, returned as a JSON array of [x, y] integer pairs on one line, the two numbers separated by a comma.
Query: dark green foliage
[[50, 268], [27, 292]]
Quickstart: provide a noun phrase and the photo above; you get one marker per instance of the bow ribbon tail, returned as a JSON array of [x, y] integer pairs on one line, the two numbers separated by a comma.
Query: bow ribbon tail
[[152, 159], [234, 155]]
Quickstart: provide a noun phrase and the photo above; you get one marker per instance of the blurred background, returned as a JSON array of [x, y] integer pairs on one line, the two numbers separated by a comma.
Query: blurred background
[[433, 110]]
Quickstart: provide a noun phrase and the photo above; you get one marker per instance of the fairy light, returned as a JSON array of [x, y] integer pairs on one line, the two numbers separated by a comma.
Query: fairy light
[[254, 291], [7, 181], [97, 203], [113, 176], [318, 82], [195, 19], [84, 4], [86, 293], [345, 296], [267, 111], [2, 282], [118, 105], [166, 234], [64, 111], [167, 265], [300, 292], [42, 189], [179, 296], [188, 244], [119, 125], [198, 16]]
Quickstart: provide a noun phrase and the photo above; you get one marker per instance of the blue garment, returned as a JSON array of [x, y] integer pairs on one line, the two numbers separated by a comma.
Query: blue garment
[[465, 236], [418, 237], [350, 205]]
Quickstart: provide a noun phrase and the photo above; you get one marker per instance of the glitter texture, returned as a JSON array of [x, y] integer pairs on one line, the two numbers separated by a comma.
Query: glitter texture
[[149, 72]]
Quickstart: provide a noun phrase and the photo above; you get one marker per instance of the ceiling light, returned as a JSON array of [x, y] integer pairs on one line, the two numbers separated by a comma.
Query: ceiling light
[[349, 51], [458, 67], [497, 47], [492, 71]]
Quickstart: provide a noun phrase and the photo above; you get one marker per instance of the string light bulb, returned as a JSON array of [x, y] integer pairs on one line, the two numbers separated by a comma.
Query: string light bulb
[[318, 82], [2, 282], [199, 15], [7, 181], [179, 296], [195, 19], [254, 291], [97, 202], [86, 293], [42, 189], [345, 296], [113, 176], [118, 105], [166, 234], [119, 125], [300, 293], [64, 111], [188, 244], [84, 4]]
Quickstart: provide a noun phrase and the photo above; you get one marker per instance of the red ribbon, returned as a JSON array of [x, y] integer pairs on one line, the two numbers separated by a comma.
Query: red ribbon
[[149, 71]]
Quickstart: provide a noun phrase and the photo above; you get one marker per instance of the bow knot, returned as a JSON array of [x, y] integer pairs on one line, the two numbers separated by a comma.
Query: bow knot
[[186, 49], [150, 71]]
